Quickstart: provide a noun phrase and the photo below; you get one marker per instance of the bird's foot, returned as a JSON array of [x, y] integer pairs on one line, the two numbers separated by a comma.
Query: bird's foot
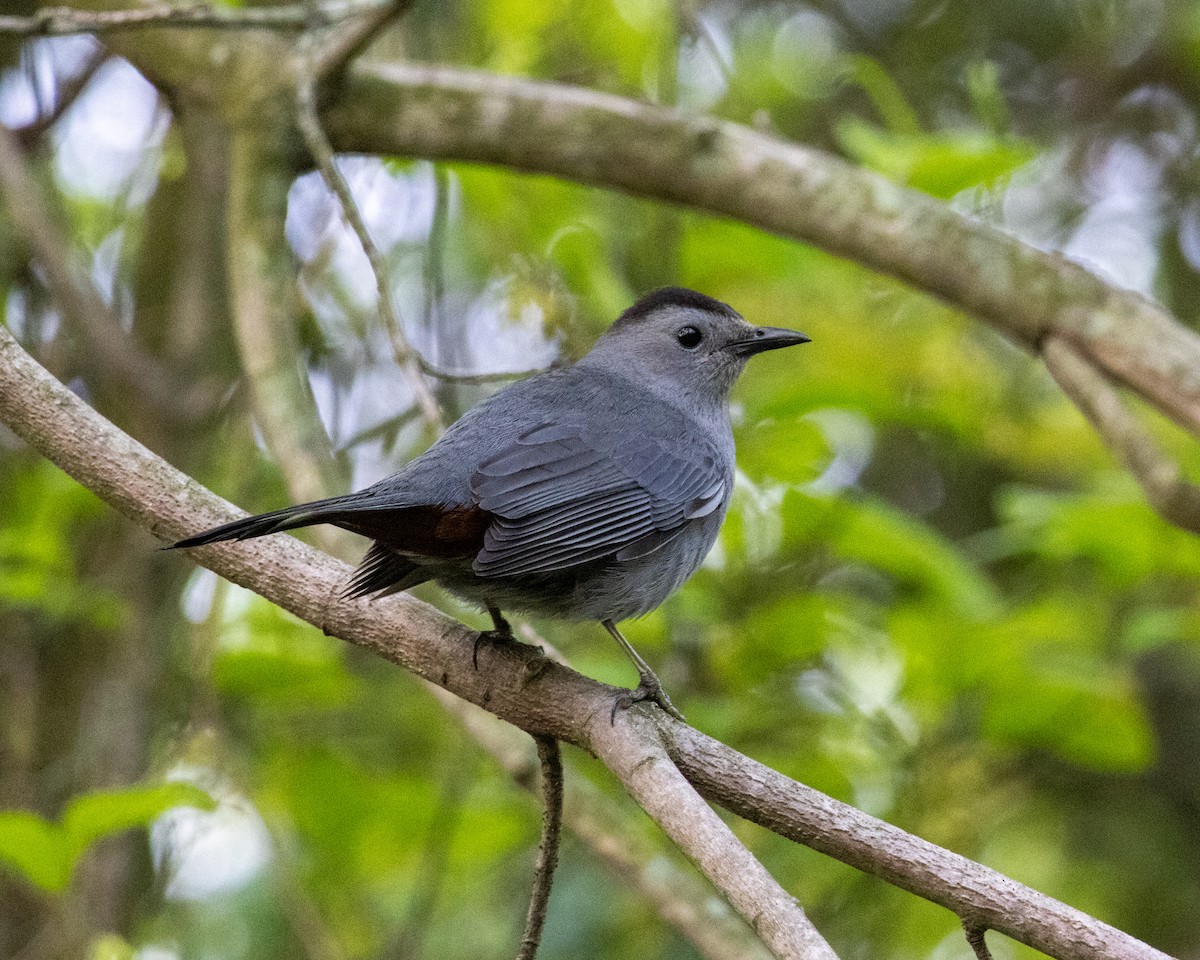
[[486, 637], [501, 632], [648, 688]]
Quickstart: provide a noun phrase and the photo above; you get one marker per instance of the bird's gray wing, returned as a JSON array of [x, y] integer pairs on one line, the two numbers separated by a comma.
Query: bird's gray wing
[[564, 495]]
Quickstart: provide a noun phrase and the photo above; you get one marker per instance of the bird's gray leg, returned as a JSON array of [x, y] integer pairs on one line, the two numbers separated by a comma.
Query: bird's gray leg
[[648, 688], [501, 632]]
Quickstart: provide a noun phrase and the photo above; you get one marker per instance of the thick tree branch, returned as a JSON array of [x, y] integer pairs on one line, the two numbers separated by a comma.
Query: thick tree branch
[[664, 154], [519, 685]]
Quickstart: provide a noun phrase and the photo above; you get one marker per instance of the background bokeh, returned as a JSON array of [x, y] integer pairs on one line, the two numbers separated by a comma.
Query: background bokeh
[[936, 597]]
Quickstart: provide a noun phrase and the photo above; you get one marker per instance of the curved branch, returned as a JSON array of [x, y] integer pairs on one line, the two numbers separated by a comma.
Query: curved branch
[[785, 188], [519, 685]]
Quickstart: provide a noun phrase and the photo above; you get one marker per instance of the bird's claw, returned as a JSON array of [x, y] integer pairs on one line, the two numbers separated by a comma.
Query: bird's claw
[[489, 636], [648, 689]]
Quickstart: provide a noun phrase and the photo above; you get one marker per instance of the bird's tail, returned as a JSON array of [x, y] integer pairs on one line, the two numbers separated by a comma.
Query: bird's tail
[[289, 518]]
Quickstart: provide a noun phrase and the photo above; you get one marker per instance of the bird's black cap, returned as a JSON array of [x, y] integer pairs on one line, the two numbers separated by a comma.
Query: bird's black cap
[[672, 297]]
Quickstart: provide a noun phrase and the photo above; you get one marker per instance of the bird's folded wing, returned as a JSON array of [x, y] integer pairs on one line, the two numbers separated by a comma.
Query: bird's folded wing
[[563, 495]]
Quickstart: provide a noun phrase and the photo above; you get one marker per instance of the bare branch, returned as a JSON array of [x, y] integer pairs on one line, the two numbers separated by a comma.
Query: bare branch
[[978, 894], [518, 684], [547, 858], [645, 769], [322, 153], [57, 21], [621, 842], [1176, 500], [264, 301], [69, 90], [795, 191]]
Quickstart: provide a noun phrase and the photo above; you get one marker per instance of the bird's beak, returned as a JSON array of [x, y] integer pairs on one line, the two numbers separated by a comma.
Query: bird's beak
[[767, 338]]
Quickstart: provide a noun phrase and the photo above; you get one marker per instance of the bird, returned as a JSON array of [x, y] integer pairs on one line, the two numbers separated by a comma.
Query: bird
[[589, 492]]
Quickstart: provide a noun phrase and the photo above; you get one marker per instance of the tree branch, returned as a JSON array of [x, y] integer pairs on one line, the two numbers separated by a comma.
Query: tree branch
[[57, 21], [69, 89], [622, 843], [547, 857], [318, 145], [1175, 499], [519, 685], [782, 187], [264, 300]]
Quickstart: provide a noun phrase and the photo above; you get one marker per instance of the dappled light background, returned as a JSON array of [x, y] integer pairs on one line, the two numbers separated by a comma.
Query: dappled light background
[[936, 596]]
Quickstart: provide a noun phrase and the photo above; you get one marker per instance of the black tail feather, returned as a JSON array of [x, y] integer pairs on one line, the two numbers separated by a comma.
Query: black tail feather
[[382, 570], [289, 518]]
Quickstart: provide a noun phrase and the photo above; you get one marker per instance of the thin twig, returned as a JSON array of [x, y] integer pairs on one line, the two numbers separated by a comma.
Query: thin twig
[[346, 39], [465, 376], [69, 90], [58, 21], [975, 937], [1176, 500], [547, 858], [322, 153]]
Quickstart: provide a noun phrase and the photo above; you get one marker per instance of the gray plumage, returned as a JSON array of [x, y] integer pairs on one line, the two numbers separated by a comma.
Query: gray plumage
[[587, 493]]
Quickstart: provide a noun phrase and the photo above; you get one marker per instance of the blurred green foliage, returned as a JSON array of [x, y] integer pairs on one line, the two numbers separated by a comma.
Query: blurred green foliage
[[46, 853], [935, 597]]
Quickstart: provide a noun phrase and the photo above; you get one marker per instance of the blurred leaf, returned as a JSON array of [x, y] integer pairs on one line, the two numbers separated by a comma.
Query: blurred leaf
[[915, 554], [940, 164], [46, 853], [1122, 538], [894, 109], [110, 946], [791, 451], [44, 509]]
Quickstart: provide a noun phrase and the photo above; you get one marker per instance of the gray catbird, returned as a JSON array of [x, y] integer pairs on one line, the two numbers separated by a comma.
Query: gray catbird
[[587, 493]]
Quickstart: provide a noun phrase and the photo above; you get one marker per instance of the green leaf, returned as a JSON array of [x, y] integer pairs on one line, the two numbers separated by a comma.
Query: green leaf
[[787, 450], [904, 547], [92, 816], [46, 853], [940, 164], [37, 849]]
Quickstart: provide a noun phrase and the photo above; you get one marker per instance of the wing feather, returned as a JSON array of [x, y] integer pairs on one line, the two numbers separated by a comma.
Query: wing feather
[[568, 494]]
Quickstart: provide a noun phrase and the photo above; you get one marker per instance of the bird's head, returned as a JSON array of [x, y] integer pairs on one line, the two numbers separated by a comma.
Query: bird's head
[[681, 339]]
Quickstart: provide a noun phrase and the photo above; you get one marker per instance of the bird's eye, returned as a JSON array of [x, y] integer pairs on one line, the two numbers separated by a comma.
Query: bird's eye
[[689, 337]]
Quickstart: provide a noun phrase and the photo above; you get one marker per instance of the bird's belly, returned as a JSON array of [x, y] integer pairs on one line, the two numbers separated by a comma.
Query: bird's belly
[[603, 590]]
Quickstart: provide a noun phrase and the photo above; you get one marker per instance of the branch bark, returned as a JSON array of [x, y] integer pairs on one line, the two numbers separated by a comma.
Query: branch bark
[[519, 685]]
